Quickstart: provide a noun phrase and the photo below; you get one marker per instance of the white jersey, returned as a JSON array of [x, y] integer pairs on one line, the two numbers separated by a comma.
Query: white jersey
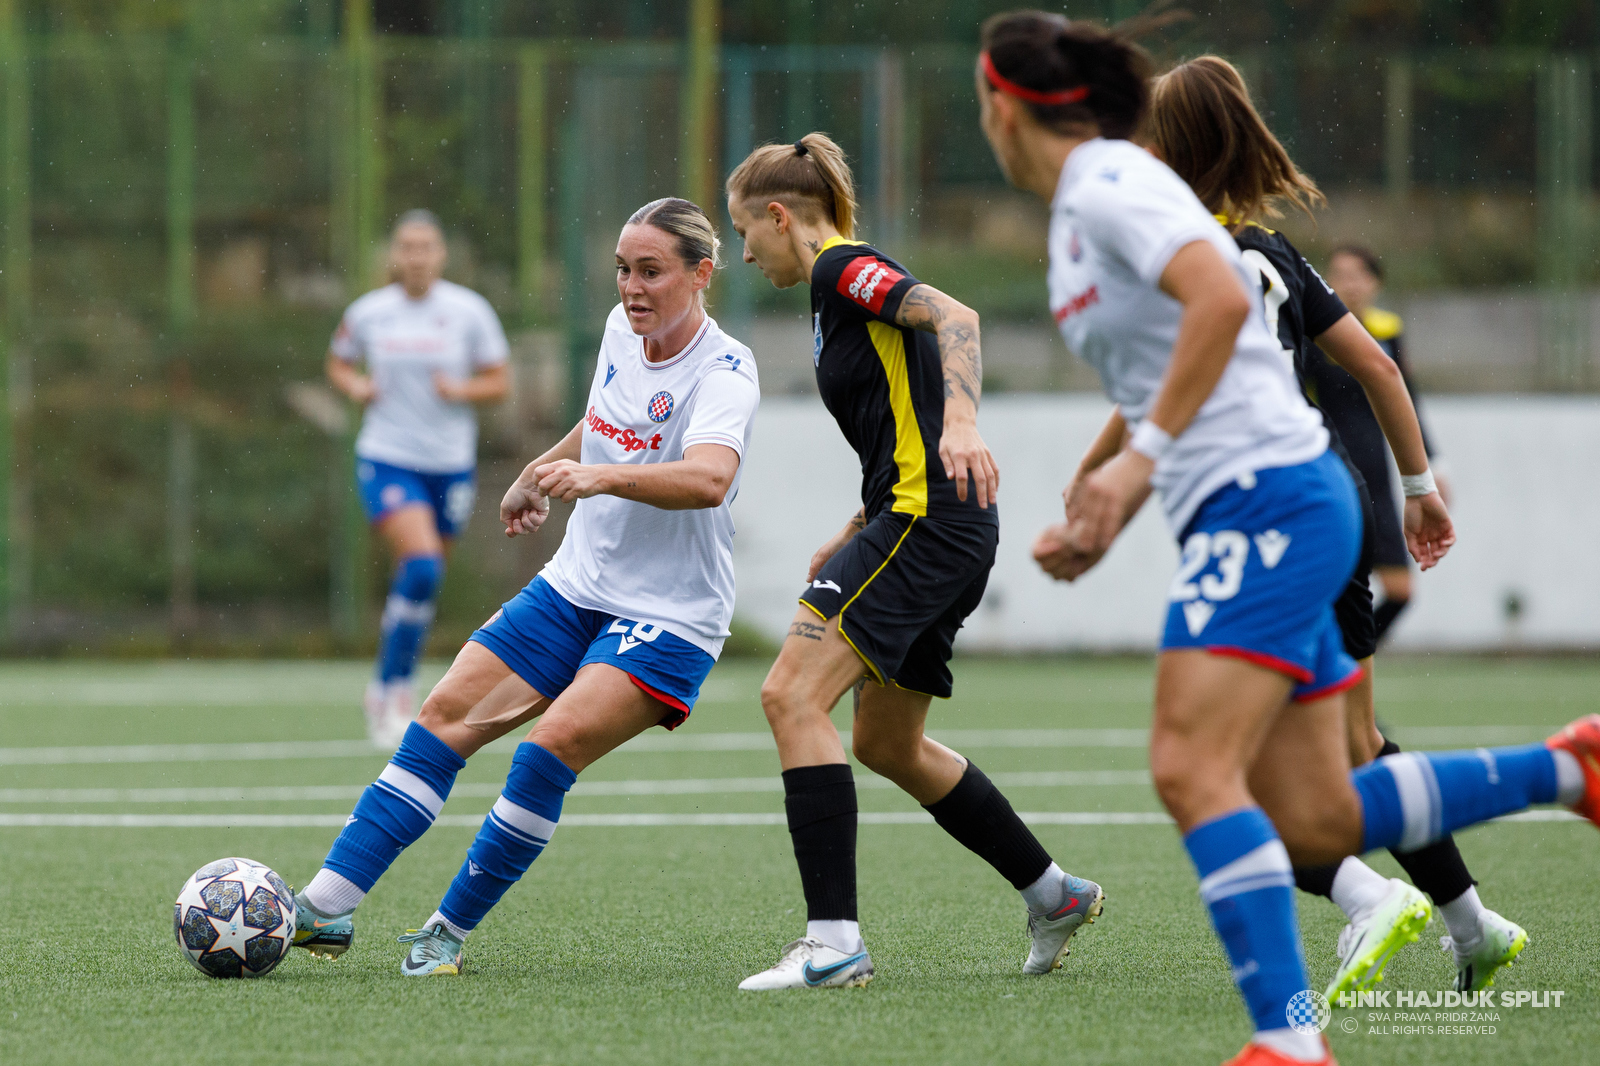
[[673, 569], [451, 331], [1118, 218]]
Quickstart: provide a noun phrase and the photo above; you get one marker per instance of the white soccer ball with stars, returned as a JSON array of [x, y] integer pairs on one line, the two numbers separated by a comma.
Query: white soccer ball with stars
[[234, 918]]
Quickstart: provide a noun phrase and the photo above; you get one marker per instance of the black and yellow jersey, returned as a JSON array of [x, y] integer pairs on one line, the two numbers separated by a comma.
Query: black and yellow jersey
[[883, 384]]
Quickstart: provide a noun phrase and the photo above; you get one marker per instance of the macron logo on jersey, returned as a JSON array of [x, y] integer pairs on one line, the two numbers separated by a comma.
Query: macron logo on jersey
[[626, 437], [1081, 302], [867, 281]]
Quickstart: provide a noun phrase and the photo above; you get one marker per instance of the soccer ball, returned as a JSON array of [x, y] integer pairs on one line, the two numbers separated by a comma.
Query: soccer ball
[[234, 918]]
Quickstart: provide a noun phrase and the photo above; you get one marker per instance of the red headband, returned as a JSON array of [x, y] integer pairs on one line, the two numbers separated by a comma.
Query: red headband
[[1054, 98]]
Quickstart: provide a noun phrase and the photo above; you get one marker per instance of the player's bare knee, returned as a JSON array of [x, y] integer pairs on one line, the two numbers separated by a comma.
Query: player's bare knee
[[439, 711], [885, 754]]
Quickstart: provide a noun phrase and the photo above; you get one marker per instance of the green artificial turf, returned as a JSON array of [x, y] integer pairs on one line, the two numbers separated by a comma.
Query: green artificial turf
[[624, 945]]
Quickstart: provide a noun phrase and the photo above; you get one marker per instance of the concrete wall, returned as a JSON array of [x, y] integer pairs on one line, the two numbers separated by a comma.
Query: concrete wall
[[1526, 506]]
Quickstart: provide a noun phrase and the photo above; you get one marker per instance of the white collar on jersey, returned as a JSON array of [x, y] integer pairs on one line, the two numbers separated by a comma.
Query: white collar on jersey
[[705, 327]]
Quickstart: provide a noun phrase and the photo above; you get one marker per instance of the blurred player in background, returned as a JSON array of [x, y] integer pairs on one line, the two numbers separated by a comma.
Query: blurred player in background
[[899, 368], [618, 631], [432, 349], [1356, 275], [1203, 125], [1150, 289]]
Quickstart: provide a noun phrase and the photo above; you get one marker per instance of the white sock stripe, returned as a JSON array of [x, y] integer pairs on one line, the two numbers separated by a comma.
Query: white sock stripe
[[535, 827], [1261, 867], [515, 833], [399, 609], [1419, 798], [413, 788]]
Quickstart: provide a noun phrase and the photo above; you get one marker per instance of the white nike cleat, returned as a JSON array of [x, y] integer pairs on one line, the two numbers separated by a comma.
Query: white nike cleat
[[1052, 931], [1499, 942], [374, 709], [1365, 947], [399, 710], [809, 963]]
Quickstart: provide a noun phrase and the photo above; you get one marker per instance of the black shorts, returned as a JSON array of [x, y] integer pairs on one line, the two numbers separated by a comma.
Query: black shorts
[[1353, 608], [901, 588]]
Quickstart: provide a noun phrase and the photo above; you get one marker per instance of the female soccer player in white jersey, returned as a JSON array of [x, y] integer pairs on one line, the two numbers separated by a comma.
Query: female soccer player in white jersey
[[432, 350], [1153, 292], [898, 366], [1203, 125], [619, 630]]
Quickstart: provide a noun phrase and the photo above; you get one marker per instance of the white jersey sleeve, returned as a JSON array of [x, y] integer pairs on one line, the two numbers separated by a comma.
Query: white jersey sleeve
[[724, 405], [348, 342], [1140, 226], [486, 339]]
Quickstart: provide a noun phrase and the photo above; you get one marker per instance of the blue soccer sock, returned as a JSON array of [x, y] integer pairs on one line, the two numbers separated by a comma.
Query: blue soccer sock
[[1411, 799], [1248, 885], [512, 836], [407, 615], [392, 814]]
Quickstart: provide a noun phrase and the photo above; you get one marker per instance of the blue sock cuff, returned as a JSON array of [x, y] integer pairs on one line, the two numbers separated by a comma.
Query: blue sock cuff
[[417, 577], [426, 756], [544, 764], [1214, 844]]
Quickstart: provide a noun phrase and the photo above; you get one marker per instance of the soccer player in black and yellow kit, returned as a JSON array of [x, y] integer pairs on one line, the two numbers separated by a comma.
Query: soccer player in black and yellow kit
[[1195, 109], [899, 368], [1356, 274]]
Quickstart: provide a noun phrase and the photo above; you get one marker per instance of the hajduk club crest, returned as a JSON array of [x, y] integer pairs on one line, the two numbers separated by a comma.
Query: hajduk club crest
[[661, 407]]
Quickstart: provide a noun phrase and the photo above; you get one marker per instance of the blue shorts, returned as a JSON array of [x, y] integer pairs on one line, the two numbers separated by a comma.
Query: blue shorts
[[1262, 566], [547, 640], [385, 488]]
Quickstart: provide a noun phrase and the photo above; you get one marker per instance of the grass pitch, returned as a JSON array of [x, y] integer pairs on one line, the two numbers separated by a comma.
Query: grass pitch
[[624, 943]]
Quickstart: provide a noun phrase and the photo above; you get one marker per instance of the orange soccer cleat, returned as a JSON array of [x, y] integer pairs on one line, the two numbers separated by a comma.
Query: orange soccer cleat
[[1255, 1054], [1581, 739]]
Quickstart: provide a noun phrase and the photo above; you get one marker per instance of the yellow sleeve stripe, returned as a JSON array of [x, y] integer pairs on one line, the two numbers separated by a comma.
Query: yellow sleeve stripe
[[910, 455], [1383, 325]]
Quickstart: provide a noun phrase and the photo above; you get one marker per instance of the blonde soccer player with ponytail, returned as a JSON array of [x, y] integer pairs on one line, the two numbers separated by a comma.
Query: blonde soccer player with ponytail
[[898, 366]]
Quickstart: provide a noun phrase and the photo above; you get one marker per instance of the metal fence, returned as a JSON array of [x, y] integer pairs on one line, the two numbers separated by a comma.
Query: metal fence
[[182, 226]]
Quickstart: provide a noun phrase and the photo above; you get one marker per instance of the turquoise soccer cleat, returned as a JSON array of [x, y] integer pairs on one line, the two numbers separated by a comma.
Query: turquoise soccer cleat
[[434, 952], [327, 936]]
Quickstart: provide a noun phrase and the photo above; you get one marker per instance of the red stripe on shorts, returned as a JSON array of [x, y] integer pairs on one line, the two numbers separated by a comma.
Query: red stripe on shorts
[[1271, 662]]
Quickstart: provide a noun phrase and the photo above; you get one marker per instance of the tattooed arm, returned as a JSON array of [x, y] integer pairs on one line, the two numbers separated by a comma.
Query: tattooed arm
[[837, 541], [956, 327]]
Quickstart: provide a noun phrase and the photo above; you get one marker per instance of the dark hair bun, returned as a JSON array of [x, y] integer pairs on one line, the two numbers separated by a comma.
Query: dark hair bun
[[1045, 51]]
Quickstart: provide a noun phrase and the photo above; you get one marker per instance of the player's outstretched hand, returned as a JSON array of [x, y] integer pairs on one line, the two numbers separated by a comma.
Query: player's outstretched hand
[[361, 390], [1057, 553], [1098, 508], [524, 508], [569, 481], [1429, 531], [963, 452]]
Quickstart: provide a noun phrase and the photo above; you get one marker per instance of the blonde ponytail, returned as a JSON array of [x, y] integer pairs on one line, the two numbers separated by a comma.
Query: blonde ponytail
[[810, 177]]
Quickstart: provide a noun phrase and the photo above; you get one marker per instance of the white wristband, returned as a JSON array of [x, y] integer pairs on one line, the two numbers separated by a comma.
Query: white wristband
[[1150, 441], [1417, 484]]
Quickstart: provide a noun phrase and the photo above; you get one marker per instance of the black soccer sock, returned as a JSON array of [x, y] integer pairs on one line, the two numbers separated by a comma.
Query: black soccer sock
[[977, 815], [1383, 617], [1317, 880], [1438, 869], [821, 804]]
